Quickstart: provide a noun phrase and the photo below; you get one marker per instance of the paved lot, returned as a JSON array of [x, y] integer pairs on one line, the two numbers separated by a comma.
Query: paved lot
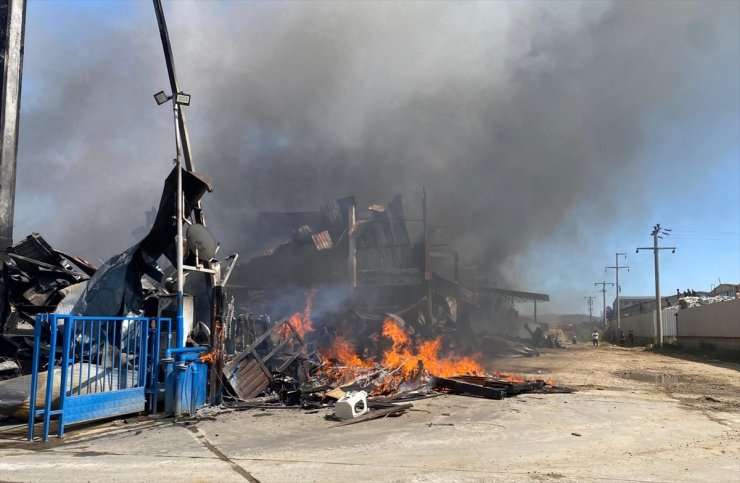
[[637, 416]]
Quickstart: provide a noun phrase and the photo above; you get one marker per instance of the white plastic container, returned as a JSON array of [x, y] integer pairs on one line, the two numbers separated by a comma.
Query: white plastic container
[[351, 405]]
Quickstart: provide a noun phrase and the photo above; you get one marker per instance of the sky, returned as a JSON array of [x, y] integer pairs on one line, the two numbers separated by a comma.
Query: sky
[[548, 135]]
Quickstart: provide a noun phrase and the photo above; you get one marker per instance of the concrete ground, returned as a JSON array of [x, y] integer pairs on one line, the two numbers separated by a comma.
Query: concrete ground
[[637, 416]]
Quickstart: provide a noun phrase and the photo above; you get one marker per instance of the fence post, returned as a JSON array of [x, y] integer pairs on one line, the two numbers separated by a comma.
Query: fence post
[[65, 366], [50, 375], [34, 375]]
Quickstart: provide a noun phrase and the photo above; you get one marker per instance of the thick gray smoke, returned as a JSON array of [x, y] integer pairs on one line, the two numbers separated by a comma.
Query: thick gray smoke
[[512, 115]]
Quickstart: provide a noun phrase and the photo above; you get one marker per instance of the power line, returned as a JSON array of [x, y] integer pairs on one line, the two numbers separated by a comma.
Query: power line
[[708, 232]]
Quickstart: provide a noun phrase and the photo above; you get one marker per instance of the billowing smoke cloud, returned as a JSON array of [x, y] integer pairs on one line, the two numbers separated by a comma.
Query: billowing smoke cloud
[[512, 115]]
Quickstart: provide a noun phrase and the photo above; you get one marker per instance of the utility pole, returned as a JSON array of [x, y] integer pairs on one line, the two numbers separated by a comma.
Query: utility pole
[[657, 232], [616, 268], [12, 26], [603, 296], [590, 301], [428, 276], [352, 260]]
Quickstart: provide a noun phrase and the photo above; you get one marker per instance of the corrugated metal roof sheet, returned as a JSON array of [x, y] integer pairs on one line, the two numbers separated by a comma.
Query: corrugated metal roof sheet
[[322, 240], [302, 234], [334, 213]]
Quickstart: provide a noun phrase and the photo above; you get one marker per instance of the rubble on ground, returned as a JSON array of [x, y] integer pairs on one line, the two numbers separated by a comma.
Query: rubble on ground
[[280, 369]]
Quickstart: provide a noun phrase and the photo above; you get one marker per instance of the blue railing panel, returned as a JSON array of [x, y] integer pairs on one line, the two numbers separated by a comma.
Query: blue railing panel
[[106, 368], [104, 404]]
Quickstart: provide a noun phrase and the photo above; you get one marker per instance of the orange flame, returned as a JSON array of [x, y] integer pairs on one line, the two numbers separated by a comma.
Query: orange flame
[[208, 357], [343, 350], [508, 377], [427, 353], [406, 357], [301, 322], [448, 366]]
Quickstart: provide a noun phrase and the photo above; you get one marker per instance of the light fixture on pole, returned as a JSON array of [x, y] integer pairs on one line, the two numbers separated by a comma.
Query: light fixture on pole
[[161, 98], [177, 100], [182, 99]]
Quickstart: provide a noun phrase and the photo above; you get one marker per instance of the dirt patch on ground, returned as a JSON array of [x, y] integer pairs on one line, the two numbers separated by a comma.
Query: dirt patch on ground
[[703, 385]]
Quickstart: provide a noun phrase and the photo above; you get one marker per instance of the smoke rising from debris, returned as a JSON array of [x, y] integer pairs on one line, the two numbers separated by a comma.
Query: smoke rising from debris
[[512, 115]]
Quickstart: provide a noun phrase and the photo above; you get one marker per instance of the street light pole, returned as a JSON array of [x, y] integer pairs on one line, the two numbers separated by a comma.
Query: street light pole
[[178, 98], [616, 268], [657, 231], [179, 236]]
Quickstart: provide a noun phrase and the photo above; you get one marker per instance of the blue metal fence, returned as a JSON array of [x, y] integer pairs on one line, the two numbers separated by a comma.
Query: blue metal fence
[[108, 366]]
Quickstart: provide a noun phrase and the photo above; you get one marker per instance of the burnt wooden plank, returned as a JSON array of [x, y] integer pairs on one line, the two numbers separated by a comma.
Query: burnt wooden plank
[[467, 388], [234, 362], [249, 373]]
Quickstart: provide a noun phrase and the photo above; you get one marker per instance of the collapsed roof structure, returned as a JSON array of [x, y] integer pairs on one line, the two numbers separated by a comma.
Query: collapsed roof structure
[[370, 260]]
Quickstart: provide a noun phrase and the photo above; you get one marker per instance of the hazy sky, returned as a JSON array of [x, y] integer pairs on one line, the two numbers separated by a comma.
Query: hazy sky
[[548, 135]]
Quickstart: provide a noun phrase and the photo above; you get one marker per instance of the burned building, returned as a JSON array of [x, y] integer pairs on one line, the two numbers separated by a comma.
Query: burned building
[[365, 264]]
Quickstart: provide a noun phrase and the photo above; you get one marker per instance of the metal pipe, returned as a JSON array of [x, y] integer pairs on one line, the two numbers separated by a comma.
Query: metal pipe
[[352, 255], [34, 377], [180, 342], [50, 377], [427, 256], [184, 350], [63, 382], [170, 62], [225, 279]]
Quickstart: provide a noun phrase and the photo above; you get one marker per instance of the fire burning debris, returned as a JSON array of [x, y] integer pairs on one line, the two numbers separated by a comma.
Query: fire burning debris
[[301, 321], [403, 366], [391, 328], [405, 354], [405, 360]]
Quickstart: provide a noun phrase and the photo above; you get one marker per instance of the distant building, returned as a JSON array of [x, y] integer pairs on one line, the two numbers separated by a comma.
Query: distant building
[[725, 289], [630, 300]]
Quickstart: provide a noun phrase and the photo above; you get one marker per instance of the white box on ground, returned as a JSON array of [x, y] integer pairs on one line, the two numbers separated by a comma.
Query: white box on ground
[[351, 405]]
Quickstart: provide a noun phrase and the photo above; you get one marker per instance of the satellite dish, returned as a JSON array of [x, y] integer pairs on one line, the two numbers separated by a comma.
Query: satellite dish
[[201, 241]]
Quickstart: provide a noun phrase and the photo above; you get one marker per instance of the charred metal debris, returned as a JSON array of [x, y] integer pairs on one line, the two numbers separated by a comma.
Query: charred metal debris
[[360, 314]]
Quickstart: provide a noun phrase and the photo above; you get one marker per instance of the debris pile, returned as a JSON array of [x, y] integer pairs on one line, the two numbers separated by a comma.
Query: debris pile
[[278, 368], [35, 279], [38, 279]]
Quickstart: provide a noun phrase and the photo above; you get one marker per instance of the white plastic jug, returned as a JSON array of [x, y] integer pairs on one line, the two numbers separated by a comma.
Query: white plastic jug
[[351, 405]]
